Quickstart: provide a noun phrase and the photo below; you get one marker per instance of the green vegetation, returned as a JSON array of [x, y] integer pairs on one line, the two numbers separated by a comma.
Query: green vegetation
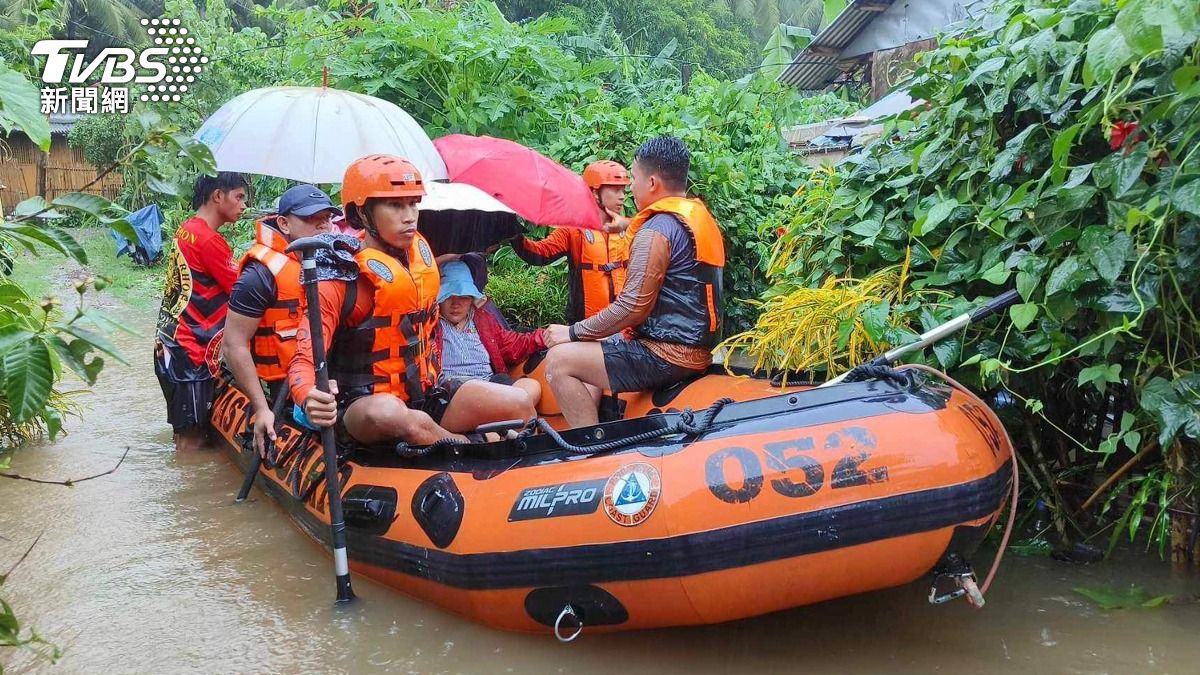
[[115, 20], [131, 283], [528, 296], [723, 37], [40, 339], [116, 23], [1057, 154], [705, 32], [1125, 598]]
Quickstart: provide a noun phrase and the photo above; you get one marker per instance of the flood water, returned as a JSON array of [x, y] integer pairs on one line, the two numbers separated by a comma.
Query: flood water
[[154, 569]]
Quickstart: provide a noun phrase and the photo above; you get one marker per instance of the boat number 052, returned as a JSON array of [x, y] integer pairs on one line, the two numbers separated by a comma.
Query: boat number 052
[[803, 474]]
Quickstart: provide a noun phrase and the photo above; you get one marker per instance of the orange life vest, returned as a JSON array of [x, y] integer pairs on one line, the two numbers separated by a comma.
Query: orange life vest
[[597, 266], [688, 310], [392, 350], [274, 342], [600, 259]]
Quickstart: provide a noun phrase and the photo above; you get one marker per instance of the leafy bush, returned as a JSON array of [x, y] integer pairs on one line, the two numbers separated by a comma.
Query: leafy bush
[[1056, 152], [472, 71], [101, 138], [821, 107], [531, 297], [706, 31]]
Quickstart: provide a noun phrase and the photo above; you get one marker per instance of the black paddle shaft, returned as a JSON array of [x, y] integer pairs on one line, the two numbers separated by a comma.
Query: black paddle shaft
[[281, 398], [996, 304], [1000, 302], [333, 487]]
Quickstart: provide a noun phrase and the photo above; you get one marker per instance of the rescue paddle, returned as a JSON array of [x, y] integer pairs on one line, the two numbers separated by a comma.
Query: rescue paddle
[[938, 333], [308, 247], [281, 398]]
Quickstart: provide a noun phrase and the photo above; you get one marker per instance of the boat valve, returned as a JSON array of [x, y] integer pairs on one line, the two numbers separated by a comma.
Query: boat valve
[[567, 614]]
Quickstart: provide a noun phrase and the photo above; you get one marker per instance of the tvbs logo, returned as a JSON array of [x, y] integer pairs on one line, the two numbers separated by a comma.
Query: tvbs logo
[[167, 67]]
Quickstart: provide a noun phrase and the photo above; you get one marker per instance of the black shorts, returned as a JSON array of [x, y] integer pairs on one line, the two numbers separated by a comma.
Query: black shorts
[[437, 400], [189, 402], [633, 367]]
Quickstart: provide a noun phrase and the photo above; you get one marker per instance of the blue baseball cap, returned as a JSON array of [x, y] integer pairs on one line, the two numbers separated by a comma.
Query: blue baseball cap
[[457, 281], [305, 200]]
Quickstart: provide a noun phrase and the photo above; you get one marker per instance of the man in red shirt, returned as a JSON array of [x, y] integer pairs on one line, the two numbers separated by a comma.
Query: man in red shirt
[[200, 276]]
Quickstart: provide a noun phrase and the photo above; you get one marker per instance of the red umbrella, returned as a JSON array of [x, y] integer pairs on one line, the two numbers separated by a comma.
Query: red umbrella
[[539, 189]]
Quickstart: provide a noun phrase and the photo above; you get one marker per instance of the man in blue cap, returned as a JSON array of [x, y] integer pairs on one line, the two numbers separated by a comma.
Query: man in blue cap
[[264, 307], [474, 344]]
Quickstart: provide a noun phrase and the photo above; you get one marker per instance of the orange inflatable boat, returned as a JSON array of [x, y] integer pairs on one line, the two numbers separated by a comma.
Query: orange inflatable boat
[[664, 516]]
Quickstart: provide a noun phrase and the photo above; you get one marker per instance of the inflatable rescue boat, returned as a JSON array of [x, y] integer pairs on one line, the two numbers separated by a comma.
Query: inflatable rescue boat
[[684, 508]]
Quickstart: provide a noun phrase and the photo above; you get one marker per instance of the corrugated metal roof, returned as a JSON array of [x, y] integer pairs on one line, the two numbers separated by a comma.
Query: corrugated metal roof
[[61, 123], [867, 26], [848, 132], [817, 64]]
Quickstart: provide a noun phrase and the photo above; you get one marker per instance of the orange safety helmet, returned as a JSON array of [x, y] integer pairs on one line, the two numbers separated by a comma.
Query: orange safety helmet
[[376, 176], [605, 172]]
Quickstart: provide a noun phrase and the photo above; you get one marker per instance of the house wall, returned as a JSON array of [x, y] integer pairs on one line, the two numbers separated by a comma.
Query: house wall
[[26, 171], [888, 66], [822, 158], [907, 21]]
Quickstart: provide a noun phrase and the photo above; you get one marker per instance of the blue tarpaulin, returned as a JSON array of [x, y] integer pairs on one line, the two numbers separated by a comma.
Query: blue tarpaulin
[[147, 223]]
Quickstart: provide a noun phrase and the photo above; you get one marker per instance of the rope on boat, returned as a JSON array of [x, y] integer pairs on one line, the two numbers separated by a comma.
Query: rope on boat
[[686, 424], [409, 452], [879, 371]]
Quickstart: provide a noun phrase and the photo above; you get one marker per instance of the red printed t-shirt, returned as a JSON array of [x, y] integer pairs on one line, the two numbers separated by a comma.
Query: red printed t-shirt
[[200, 276]]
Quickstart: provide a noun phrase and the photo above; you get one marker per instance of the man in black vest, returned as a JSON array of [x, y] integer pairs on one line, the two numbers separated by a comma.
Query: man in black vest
[[670, 306]]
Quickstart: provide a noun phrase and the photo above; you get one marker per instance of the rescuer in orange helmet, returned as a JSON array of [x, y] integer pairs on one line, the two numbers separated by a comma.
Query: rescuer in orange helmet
[[384, 328], [597, 259]]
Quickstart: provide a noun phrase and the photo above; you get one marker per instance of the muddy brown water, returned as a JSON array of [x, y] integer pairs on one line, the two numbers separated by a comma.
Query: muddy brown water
[[154, 569]]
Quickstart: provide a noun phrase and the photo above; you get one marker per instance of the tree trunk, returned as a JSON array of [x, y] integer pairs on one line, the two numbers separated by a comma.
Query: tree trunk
[[1183, 460], [42, 160]]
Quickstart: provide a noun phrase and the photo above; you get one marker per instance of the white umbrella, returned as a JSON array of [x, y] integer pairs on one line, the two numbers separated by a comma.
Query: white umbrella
[[311, 134], [459, 197]]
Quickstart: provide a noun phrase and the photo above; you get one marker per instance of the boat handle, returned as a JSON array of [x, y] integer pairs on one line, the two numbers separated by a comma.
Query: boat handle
[[965, 586], [567, 610]]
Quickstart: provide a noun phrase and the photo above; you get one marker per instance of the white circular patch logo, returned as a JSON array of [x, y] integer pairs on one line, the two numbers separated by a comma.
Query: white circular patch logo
[[426, 254], [590, 237], [631, 494], [381, 270]]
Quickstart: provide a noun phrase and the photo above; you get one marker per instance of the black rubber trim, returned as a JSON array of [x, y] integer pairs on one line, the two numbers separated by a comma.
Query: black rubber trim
[[839, 403], [593, 605], [715, 550]]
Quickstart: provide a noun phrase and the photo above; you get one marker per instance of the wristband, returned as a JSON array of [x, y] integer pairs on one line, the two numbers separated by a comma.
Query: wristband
[[571, 333], [301, 418]]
